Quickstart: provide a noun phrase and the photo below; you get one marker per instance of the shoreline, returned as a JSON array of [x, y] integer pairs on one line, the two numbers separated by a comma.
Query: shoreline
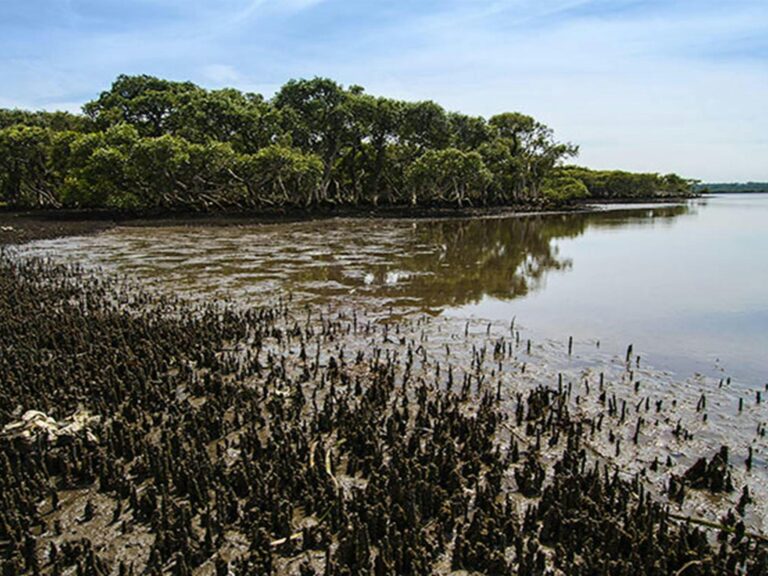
[[520, 432], [22, 226]]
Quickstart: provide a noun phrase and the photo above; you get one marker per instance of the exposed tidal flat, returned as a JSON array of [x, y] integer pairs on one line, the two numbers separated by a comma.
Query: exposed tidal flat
[[515, 395], [683, 282]]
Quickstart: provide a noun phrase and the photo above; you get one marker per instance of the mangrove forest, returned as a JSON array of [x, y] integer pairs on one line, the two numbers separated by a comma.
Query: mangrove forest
[[149, 144]]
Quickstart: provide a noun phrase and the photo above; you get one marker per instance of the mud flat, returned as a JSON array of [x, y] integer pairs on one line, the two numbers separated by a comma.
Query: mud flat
[[656, 276], [21, 227], [147, 434]]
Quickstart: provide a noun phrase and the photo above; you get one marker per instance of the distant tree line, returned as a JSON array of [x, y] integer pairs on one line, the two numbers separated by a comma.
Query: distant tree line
[[732, 187], [153, 144], [617, 184]]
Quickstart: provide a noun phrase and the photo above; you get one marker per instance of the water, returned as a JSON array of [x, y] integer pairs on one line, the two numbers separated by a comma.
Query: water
[[687, 285], [690, 291]]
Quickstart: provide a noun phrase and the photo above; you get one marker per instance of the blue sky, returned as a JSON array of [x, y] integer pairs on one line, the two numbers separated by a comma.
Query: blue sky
[[655, 85]]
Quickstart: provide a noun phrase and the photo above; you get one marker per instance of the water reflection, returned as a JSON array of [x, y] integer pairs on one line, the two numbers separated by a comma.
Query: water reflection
[[503, 258], [684, 283], [427, 265]]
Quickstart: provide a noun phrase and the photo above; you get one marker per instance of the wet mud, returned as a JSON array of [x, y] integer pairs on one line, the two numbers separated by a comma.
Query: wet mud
[[143, 433]]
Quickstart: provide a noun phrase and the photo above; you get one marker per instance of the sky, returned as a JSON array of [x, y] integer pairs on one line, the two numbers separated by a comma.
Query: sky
[[655, 85]]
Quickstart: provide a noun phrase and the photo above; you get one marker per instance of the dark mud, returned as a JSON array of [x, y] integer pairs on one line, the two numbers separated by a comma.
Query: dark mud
[[181, 438], [22, 227], [18, 227]]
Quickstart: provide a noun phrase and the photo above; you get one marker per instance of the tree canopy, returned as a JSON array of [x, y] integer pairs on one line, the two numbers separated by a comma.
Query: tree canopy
[[733, 187], [154, 144], [618, 184]]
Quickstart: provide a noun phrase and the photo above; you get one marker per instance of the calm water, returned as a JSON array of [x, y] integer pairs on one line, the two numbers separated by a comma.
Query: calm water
[[686, 285]]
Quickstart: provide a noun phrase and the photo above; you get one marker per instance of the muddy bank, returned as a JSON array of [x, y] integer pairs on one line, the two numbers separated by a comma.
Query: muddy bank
[[635, 200], [17, 227], [22, 227], [144, 434]]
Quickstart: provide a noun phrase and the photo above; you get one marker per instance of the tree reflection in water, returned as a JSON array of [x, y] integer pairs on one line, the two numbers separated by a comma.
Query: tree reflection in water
[[409, 265], [451, 263]]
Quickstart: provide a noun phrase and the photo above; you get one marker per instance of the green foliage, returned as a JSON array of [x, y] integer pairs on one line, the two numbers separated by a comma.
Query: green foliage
[[564, 188], [732, 187], [507, 170], [617, 184], [449, 175], [529, 149], [27, 175], [424, 126], [149, 104], [154, 144], [280, 175], [469, 132], [514, 126], [58, 121], [99, 165]]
